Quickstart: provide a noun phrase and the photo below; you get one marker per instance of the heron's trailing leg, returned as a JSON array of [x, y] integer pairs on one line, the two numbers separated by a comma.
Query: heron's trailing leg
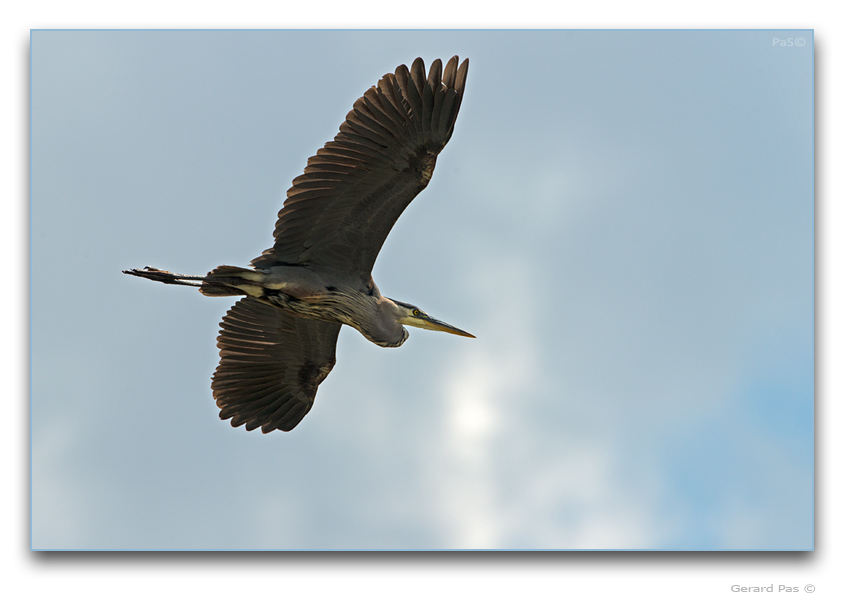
[[222, 281], [166, 276]]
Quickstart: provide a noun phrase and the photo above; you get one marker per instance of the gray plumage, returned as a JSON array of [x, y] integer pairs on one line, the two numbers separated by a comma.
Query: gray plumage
[[277, 344]]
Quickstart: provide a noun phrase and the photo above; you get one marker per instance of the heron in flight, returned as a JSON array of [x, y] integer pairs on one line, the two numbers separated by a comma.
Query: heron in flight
[[278, 343]]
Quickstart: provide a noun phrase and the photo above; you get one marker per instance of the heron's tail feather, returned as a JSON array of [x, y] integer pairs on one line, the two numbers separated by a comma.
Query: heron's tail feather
[[232, 281]]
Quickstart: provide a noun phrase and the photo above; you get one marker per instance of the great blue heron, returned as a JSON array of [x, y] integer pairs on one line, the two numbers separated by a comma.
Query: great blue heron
[[278, 344]]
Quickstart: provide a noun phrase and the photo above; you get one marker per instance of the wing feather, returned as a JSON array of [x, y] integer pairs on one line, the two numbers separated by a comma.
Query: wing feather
[[339, 212], [271, 364]]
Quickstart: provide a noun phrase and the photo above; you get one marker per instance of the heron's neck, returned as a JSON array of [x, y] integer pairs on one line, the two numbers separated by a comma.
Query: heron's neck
[[378, 322], [375, 316]]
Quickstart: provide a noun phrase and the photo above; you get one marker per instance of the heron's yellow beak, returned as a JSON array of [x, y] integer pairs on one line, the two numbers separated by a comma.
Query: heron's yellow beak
[[424, 321]]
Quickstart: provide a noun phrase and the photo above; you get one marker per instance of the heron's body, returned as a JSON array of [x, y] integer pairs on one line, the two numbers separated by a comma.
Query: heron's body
[[303, 293], [277, 344]]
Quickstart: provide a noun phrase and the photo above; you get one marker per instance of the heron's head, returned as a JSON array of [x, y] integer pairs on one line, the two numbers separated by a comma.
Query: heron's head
[[416, 317]]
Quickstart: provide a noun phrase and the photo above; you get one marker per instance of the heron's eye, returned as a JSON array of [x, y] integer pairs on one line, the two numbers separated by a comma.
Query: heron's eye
[[415, 312]]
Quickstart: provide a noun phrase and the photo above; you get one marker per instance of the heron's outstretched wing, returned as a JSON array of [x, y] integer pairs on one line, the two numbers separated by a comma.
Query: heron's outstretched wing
[[271, 363], [339, 212]]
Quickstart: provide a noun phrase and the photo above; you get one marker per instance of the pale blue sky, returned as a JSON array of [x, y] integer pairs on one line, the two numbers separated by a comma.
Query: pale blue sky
[[624, 219]]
